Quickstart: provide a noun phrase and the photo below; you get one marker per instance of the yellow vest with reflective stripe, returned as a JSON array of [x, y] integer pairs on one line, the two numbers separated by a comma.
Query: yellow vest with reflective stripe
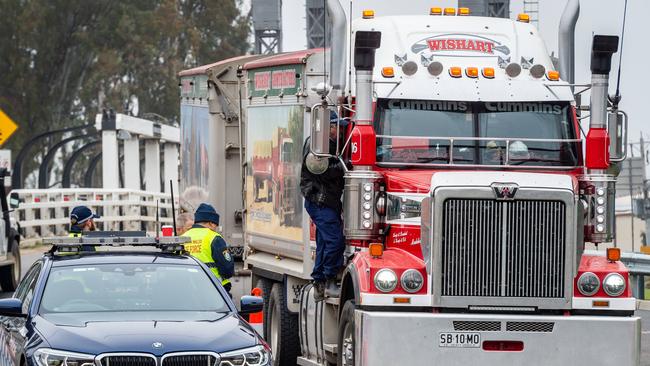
[[201, 248]]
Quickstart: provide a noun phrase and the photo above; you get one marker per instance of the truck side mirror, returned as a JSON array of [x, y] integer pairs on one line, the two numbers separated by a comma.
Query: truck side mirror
[[617, 128], [320, 130], [14, 200]]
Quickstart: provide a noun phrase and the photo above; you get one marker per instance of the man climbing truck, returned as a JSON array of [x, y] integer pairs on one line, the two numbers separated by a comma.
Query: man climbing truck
[[468, 203]]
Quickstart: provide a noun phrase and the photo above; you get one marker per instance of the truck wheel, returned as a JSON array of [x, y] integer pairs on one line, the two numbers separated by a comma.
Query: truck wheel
[[282, 329], [345, 355], [265, 285], [10, 275]]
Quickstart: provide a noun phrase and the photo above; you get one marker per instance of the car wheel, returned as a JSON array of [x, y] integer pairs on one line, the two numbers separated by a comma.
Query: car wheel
[[265, 285], [282, 329], [10, 275], [346, 335]]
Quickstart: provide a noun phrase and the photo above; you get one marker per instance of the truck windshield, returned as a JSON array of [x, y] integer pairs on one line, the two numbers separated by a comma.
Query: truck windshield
[[412, 132]]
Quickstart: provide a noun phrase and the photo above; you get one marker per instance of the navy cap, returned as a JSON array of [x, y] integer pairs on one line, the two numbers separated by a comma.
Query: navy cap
[[81, 214], [335, 118], [206, 213]]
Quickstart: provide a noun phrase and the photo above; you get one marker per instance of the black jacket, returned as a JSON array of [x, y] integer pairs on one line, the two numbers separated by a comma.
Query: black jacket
[[323, 189]]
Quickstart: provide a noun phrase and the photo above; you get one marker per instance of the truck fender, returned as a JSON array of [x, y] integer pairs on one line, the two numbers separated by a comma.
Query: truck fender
[[350, 285]]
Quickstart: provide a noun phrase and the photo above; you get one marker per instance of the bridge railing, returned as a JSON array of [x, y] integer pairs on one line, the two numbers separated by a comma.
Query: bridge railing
[[45, 212]]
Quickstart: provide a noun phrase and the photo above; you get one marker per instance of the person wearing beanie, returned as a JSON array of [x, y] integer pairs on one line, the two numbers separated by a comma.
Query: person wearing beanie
[[82, 219], [208, 245]]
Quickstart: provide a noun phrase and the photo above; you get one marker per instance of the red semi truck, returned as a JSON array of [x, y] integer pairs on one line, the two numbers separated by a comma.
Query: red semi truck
[[471, 198]]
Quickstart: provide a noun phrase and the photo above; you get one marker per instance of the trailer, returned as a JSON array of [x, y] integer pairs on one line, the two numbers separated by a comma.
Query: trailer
[[471, 196]]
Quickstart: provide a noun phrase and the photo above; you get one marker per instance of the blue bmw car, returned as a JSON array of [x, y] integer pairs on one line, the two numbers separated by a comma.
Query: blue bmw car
[[125, 308]]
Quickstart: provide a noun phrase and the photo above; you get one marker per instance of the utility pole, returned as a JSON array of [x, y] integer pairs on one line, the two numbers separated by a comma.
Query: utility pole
[[629, 161], [645, 194]]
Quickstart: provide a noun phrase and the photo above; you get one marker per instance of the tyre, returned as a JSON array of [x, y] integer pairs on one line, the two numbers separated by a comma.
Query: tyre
[[282, 329], [345, 355], [10, 275], [265, 285]]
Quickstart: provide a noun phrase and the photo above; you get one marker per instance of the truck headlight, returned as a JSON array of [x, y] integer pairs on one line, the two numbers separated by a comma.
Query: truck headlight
[[385, 280], [614, 284], [412, 280], [254, 356], [588, 284], [53, 357]]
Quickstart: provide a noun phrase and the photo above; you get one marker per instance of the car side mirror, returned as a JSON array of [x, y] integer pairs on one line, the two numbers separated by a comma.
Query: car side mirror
[[12, 307], [251, 304], [14, 200], [320, 130]]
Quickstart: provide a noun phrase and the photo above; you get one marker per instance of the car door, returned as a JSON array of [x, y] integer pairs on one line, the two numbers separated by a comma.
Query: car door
[[13, 331]]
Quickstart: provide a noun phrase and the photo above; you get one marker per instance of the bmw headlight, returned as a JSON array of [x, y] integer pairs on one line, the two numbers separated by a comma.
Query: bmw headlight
[[614, 284], [412, 280], [385, 280], [254, 356], [588, 284], [52, 357]]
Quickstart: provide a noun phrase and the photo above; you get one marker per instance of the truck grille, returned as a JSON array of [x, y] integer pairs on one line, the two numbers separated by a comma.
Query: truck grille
[[503, 248], [128, 361], [189, 360]]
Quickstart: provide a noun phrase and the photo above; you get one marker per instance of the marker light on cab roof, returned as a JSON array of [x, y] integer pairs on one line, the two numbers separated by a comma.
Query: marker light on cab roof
[[471, 72], [388, 72], [368, 14], [450, 11], [463, 11], [455, 72], [435, 11], [488, 72], [523, 17], [553, 75]]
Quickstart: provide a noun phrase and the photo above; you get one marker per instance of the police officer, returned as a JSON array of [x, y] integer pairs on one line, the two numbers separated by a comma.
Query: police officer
[[82, 219], [322, 191], [208, 246]]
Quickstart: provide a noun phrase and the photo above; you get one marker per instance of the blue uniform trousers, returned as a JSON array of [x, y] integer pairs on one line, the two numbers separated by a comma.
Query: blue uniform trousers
[[330, 244]]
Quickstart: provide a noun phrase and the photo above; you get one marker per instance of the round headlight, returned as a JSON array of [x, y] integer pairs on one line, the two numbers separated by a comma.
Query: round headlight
[[588, 284], [385, 280], [614, 284], [412, 280]]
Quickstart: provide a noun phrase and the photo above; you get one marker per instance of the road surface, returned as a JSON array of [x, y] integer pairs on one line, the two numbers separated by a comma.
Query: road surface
[[30, 255]]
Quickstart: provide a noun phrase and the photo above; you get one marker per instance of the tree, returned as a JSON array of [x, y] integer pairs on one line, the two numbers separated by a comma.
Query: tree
[[62, 61]]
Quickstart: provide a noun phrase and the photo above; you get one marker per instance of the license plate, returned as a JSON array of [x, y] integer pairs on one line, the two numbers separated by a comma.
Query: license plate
[[459, 340]]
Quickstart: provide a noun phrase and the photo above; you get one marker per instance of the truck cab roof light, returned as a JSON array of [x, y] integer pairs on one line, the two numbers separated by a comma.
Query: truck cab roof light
[[537, 71], [553, 75], [463, 11], [471, 72], [450, 11], [613, 254], [435, 68], [513, 70], [455, 72], [523, 17], [435, 11], [488, 72], [368, 14], [388, 72]]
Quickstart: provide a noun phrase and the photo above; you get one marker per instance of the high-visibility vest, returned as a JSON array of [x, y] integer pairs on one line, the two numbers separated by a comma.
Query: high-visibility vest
[[201, 248], [84, 248]]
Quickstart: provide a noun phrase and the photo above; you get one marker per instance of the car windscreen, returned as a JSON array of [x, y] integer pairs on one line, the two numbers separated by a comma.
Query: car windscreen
[[476, 133], [130, 287]]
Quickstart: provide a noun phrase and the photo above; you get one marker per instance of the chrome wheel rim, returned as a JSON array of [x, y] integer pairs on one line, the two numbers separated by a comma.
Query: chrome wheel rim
[[347, 354], [274, 333]]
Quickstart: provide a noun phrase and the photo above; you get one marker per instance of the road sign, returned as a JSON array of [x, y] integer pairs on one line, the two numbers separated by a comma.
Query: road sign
[[7, 127]]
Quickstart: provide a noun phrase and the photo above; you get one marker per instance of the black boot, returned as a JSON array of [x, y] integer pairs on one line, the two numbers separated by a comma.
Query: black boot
[[332, 289], [319, 291]]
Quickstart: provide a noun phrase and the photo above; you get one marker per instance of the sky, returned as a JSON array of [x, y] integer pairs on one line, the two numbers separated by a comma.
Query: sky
[[596, 17]]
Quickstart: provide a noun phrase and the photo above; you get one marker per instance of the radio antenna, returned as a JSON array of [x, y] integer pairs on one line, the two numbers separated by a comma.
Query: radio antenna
[[157, 220], [171, 189]]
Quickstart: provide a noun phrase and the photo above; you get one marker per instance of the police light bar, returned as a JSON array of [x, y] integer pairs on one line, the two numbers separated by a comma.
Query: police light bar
[[116, 239]]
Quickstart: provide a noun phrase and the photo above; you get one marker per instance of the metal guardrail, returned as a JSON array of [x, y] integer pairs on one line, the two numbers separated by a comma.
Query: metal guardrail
[[637, 263], [45, 212]]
